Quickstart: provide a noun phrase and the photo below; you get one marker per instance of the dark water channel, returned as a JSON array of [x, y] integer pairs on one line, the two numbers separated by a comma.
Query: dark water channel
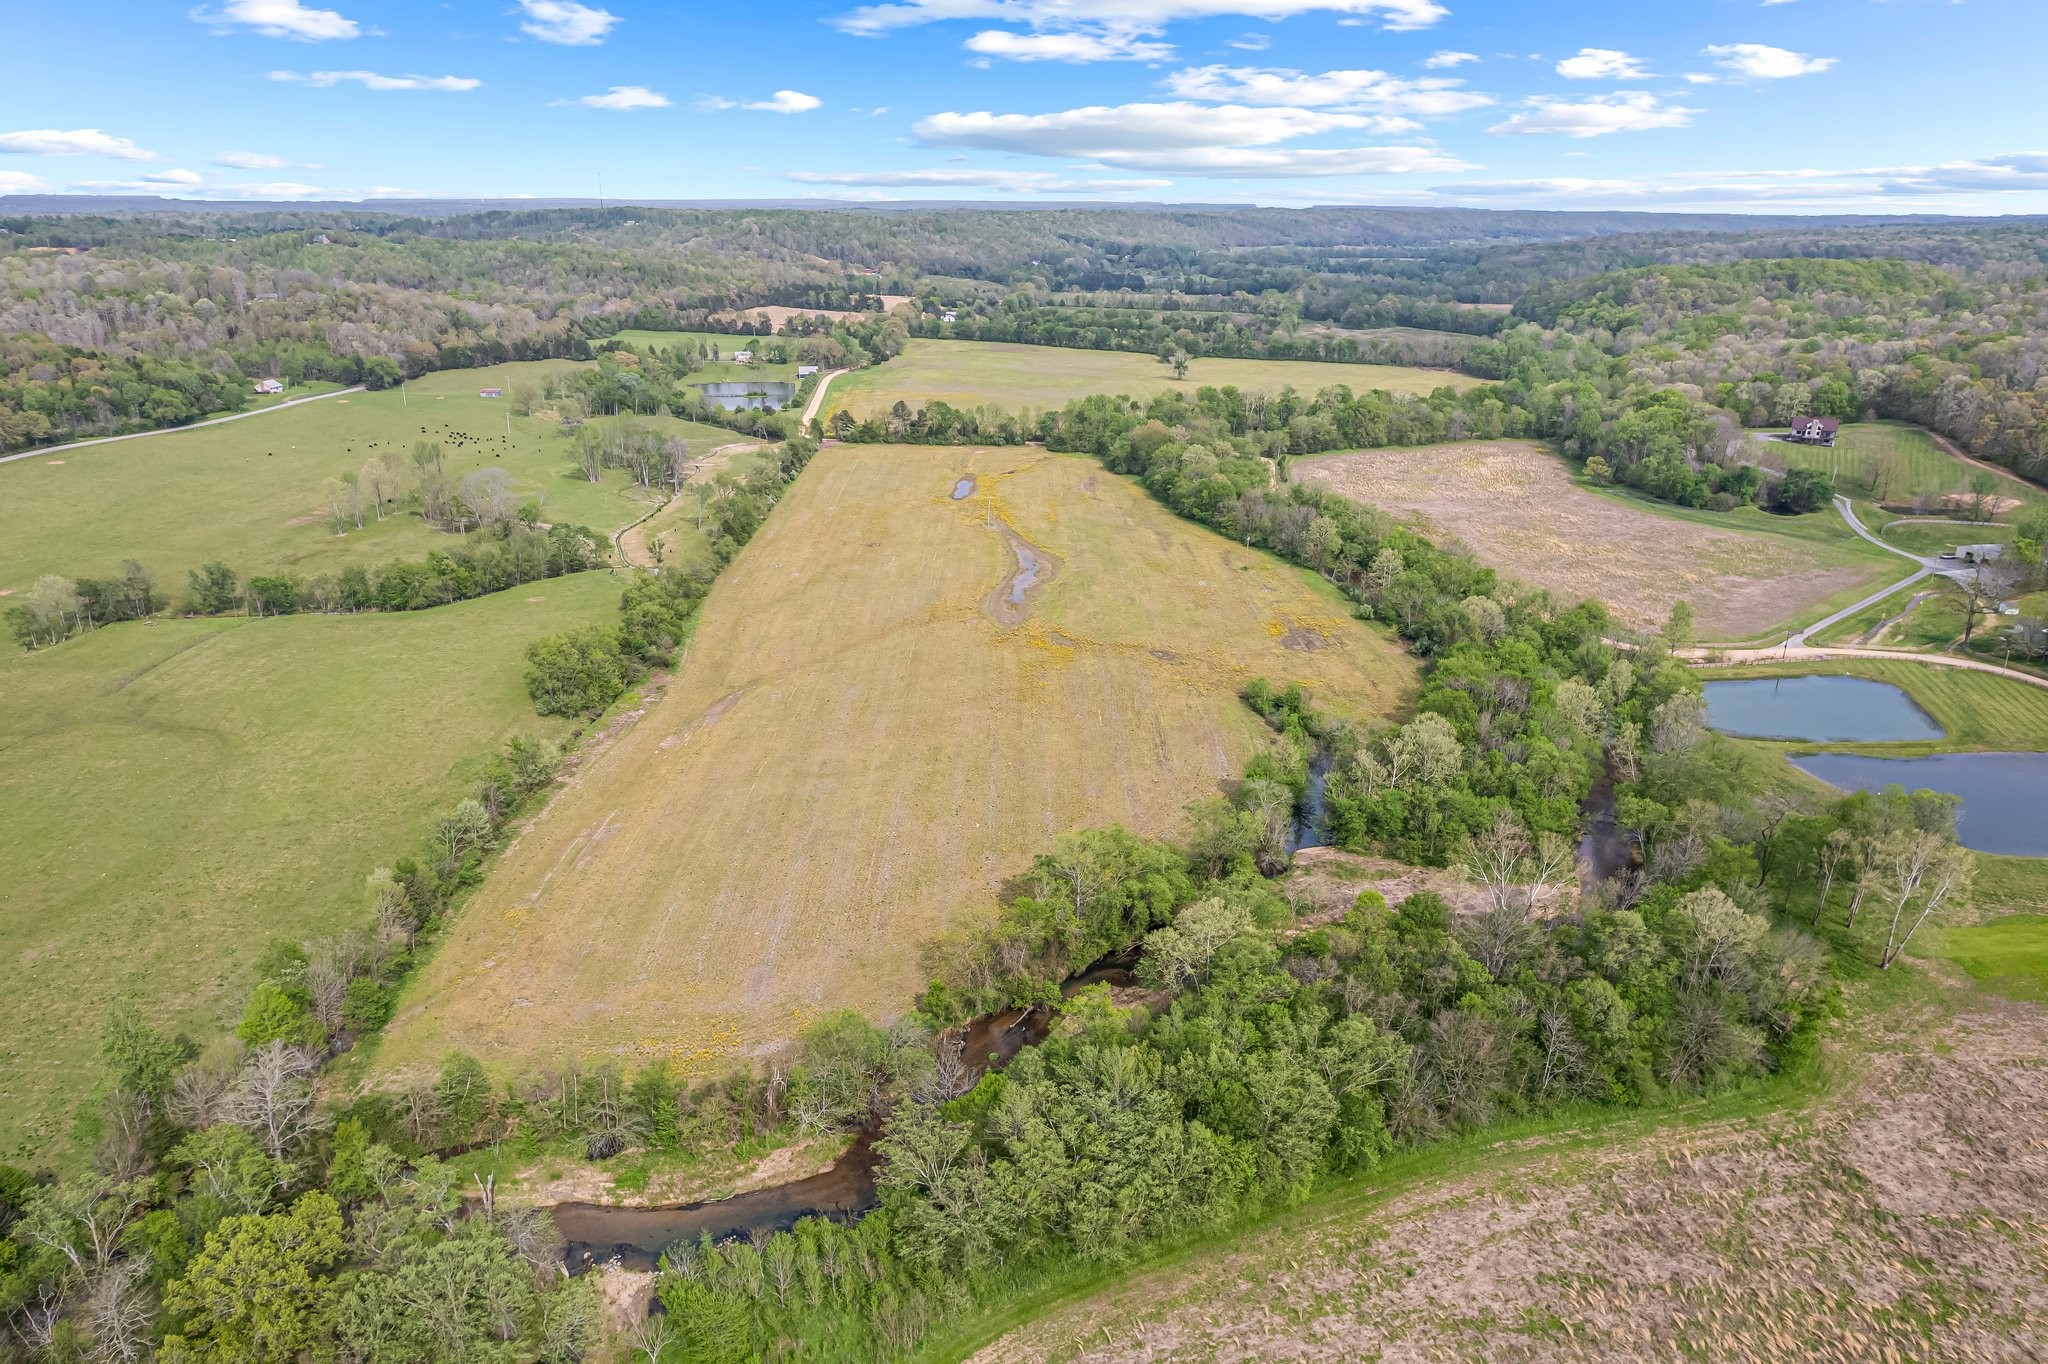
[[1604, 850], [1819, 709], [2004, 795], [750, 394], [595, 1233], [1311, 813]]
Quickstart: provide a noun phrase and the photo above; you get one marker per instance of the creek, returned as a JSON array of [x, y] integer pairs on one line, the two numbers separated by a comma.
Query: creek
[[595, 1233]]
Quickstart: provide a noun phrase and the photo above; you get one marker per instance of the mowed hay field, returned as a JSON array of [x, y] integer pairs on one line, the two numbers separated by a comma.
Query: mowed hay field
[[865, 742], [250, 492], [1515, 505], [179, 794], [1012, 376]]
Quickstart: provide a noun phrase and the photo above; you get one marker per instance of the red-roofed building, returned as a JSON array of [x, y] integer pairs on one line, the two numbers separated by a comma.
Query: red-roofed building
[[1815, 430]]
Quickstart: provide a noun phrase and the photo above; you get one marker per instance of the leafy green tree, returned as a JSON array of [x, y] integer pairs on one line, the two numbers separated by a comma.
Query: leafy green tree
[[273, 1015], [577, 672], [256, 1290], [465, 1298]]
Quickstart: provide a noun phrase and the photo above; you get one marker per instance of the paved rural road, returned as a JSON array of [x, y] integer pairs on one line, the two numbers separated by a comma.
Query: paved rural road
[[818, 397], [216, 421]]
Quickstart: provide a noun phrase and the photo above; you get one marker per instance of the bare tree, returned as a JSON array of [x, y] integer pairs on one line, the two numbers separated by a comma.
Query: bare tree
[[118, 1312], [1552, 860], [274, 1098], [650, 1336], [1943, 878], [486, 494], [1496, 857], [1984, 589], [1834, 851]]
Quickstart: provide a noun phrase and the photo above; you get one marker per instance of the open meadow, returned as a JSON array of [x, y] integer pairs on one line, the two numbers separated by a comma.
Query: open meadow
[[1015, 377], [250, 493], [180, 793], [882, 717], [725, 345], [1517, 507]]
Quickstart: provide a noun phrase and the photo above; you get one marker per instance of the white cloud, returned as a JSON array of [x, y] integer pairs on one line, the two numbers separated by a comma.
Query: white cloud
[[786, 102], [1759, 61], [260, 161], [1375, 91], [1109, 45], [566, 22], [1998, 174], [280, 19], [626, 97], [370, 80], [155, 180], [20, 182], [1015, 182], [1963, 184], [1631, 111], [1443, 61], [1142, 15], [1252, 42], [1181, 137], [1701, 78], [72, 142], [1602, 64]]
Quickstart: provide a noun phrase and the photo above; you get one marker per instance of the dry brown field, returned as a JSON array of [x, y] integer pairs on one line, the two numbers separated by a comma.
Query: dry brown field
[[1515, 505], [869, 735]]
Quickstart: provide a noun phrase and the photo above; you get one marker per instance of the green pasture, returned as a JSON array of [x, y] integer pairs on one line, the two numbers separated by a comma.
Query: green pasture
[[2008, 955], [250, 492], [1932, 538], [1013, 376], [178, 794]]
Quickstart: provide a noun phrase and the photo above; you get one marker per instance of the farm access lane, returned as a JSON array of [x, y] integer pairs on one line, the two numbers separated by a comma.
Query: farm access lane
[[1790, 652], [163, 430]]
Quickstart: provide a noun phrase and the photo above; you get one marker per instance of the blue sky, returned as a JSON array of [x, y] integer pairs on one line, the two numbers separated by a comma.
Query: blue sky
[[1783, 106]]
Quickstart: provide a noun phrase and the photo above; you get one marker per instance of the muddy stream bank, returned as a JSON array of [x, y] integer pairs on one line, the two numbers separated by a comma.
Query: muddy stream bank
[[596, 1233]]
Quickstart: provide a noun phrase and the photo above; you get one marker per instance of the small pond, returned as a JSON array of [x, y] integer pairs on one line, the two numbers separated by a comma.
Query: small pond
[[1835, 710], [2005, 795], [964, 488], [750, 394]]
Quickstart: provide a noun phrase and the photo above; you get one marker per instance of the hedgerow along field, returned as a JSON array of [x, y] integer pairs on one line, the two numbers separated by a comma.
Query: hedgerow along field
[[867, 738], [1789, 1219], [179, 794], [1015, 377], [1518, 508], [249, 493]]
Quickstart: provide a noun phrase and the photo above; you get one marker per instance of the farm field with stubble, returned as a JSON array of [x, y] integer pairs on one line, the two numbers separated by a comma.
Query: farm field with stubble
[[1015, 377], [250, 492], [180, 794], [1517, 507], [868, 737]]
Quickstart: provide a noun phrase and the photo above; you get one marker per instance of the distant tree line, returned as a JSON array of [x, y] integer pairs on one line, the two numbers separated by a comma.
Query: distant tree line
[[512, 554]]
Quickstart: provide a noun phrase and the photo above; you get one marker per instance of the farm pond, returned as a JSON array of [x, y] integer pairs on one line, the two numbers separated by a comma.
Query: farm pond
[[750, 395], [2004, 795], [1819, 709]]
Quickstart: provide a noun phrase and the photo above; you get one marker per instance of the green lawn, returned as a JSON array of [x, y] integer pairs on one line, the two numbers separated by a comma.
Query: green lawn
[[1924, 537], [1915, 464], [178, 794], [974, 373], [1853, 629], [2008, 955], [250, 492]]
